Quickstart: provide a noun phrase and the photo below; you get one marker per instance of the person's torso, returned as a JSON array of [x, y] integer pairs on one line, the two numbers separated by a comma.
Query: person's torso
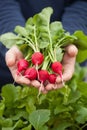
[[31, 7]]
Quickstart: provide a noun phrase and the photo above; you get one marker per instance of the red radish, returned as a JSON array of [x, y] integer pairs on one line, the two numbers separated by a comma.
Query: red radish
[[52, 78], [30, 73], [37, 58], [22, 65], [43, 75], [57, 68]]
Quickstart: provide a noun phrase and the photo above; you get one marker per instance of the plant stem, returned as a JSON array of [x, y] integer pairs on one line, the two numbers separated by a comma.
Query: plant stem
[[30, 44], [46, 62], [36, 43], [84, 126], [67, 91], [51, 53]]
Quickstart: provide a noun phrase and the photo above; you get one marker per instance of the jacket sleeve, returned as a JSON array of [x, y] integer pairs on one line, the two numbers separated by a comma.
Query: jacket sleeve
[[75, 17], [10, 16]]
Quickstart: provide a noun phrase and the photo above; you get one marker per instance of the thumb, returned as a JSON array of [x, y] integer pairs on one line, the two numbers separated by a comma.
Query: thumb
[[10, 58], [71, 50], [12, 55]]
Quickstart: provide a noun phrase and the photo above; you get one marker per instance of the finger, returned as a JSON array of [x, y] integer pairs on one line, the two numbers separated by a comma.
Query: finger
[[22, 80], [58, 86], [71, 50], [70, 55], [68, 71], [69, 67], [44, 91], [59, 80], [35, 83], [12, 55], [50, 87], [18, 78], [68, 63]]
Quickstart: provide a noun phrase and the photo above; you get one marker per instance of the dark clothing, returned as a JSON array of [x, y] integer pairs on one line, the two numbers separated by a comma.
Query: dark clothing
[[72, 14]]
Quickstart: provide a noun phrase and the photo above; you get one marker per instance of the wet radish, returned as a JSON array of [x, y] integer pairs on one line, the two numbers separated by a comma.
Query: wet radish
[[52, 78], [37, 58], [31, 73], [22, 65], [43, 77], [57, 68]]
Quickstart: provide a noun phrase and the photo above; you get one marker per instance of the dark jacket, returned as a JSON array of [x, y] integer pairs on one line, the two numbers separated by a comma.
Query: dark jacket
[[72, 14]]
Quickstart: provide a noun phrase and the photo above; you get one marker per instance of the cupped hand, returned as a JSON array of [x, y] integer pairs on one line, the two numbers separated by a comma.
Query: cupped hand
[[13, 55], [68, 63]]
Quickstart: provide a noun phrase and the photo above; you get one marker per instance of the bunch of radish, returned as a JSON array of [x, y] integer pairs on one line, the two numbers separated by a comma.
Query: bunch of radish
[[36, 73], [42, 43]]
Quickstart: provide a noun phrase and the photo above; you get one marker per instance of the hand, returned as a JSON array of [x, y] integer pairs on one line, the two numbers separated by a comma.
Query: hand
[[68, 66], [13, 55]]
